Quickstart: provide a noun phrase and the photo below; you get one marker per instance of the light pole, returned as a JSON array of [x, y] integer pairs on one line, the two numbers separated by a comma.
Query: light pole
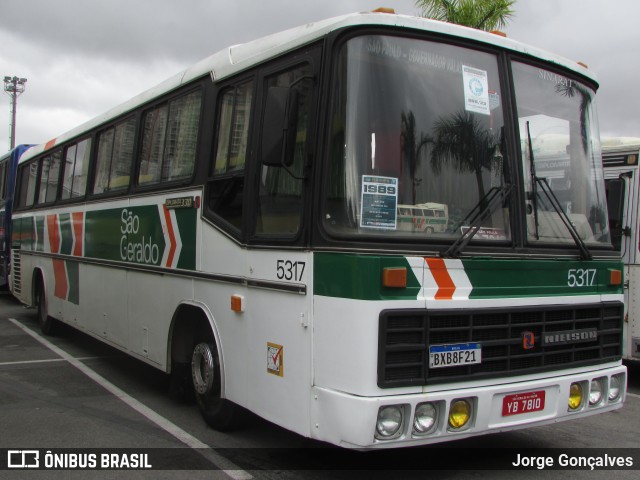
[[14, 86]]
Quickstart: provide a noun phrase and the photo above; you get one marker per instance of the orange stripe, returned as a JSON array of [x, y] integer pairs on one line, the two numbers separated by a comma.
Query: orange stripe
[[172, 237], [54, 234], [446, 287], [50, 144], [61, 287]]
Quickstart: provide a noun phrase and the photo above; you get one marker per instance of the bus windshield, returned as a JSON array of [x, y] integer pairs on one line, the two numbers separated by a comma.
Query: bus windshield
[[416, 122], [561, 157]]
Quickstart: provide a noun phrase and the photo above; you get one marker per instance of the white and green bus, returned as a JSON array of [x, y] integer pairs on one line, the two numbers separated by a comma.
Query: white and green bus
[[237, 227], [424, 217]]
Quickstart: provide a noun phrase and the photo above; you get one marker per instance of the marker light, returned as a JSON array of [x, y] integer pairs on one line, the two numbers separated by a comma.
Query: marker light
[[384, 10], [425, 419], [459, 413], [394, 277], [596, 391], [575, 396], [237, 303], [389, 421], [615, 276]]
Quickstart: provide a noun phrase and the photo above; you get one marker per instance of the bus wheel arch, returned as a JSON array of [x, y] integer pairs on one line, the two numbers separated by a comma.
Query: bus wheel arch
[[197, 368]]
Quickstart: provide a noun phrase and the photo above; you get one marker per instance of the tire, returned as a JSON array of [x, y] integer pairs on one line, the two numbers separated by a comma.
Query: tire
[[47, 323], [218, 412]]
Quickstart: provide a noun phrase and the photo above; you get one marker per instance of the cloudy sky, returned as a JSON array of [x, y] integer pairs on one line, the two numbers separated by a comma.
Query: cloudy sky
[[82, 57]]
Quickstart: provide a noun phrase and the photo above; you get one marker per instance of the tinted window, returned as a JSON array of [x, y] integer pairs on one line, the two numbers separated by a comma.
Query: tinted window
[[169, 140], [115, 156], [76, 168]]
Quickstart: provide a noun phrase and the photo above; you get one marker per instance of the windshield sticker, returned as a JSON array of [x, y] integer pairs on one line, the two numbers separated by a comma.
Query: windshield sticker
[[487, 233], [476, 90], [379, 202]]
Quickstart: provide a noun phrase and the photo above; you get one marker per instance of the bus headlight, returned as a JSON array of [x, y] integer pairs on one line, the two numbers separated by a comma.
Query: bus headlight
[[575, 396], [459, 413], [390, 419], [596, 391], [425, 418], [615, 387]]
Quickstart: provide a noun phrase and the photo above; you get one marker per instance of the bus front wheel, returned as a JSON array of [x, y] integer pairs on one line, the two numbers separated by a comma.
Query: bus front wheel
[[218, 412]]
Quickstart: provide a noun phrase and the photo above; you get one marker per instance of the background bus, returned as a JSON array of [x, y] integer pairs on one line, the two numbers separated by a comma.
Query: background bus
[[237, 227], [8, 169], [424, 217], [620, 160]]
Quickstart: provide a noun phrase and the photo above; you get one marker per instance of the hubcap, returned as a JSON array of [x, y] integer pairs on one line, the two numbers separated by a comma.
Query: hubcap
[[202, 368]]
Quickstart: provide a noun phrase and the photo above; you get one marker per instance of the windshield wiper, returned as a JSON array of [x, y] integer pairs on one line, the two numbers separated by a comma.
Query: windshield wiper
[[495, 197], [585, 254]]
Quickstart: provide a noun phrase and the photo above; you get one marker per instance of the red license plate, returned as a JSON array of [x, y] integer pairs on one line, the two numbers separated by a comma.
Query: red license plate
[[523, 403]]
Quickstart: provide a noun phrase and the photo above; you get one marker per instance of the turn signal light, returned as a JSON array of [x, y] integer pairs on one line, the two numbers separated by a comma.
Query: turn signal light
[[237, 303], [615, 277], [394, 277]]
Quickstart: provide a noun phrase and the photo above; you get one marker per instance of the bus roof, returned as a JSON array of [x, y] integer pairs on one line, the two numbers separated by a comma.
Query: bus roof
[[238, 58], [616, 144]]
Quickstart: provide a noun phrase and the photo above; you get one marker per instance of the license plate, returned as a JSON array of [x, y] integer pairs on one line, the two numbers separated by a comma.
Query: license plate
[[454, 355], [523, 403]]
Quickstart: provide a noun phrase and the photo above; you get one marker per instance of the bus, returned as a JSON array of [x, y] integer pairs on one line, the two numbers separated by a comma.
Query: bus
[[620, 161], [237, 228], [424, 217], [8, 168]]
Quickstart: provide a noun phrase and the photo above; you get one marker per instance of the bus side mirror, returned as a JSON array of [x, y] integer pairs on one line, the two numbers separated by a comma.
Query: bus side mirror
[[279, 126]]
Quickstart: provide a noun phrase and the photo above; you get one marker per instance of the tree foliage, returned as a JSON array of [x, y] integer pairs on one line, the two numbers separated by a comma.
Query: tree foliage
[[480, 14]]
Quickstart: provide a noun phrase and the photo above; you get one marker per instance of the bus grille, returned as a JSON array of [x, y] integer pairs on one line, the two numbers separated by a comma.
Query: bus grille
[[405, 337]]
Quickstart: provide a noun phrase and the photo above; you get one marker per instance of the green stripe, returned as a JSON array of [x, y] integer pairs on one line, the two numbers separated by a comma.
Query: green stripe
[[66, 233], [360, 277], [539, 278]]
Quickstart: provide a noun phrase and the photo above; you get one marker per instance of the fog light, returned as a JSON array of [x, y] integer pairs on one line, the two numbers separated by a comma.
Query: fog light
[[575, 396], [615, 387], [459, 413], [389, 421], [596, 391], [425, 419]]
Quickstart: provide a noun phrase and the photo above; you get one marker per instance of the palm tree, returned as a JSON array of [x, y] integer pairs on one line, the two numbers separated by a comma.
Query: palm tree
[[461, 142], [481, 14]]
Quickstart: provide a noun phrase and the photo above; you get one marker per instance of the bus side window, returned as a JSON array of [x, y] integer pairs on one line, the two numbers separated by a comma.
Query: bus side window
[[115, 156], [76, 168], [28, 177], [169, 140], [226, 187], [280, 189], [49, 177]]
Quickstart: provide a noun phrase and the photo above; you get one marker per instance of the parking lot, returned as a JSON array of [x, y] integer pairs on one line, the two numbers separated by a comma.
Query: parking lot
[[78, 399]]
